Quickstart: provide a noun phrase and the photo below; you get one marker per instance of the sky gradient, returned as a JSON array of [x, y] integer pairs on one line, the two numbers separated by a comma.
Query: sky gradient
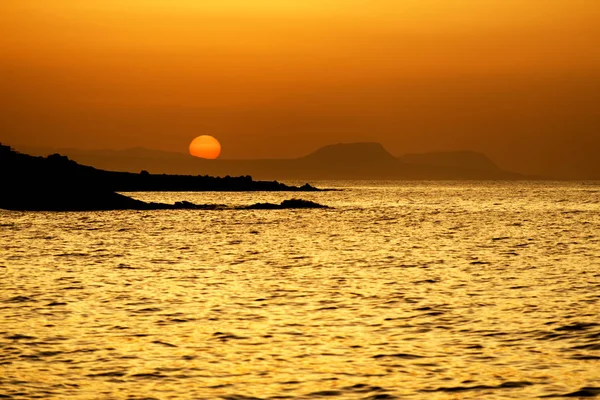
[[518, 80]]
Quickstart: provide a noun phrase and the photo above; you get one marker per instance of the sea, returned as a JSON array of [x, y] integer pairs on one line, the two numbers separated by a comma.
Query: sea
[[408, 290]]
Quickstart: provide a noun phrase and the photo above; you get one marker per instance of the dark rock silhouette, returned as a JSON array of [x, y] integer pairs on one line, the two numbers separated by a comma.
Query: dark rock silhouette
[[61, 199], [284, 205], [56, 183], [338, 161], [60, 170]]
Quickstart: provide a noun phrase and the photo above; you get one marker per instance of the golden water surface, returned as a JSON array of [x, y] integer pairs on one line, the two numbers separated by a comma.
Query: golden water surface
[[402, 290]]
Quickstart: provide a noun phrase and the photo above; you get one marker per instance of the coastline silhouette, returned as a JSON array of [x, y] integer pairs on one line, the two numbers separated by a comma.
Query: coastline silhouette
[[56, 183]]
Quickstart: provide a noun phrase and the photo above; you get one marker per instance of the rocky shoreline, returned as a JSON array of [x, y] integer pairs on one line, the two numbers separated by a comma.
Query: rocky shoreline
[[55, 183], [115, 202]]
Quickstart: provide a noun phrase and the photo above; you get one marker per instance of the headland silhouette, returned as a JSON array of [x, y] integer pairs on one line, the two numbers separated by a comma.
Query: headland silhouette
[[56, 183]]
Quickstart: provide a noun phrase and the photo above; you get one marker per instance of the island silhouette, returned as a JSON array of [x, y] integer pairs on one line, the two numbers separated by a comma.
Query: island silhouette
[[57, 183], [343, 161]]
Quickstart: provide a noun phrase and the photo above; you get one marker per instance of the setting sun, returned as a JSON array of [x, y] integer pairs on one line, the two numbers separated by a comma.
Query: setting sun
[[205, 146]]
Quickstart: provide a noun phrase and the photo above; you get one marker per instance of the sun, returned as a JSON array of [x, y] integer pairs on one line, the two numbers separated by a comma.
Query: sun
[[205, 146]]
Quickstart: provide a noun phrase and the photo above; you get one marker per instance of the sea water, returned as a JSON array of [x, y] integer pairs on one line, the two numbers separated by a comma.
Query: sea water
[[425, 290]]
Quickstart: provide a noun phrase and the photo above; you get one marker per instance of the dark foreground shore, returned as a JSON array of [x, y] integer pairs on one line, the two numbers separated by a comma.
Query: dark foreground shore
[[55, 183], [95, 201]]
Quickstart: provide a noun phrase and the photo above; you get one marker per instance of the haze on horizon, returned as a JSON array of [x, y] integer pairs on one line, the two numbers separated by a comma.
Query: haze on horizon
[[514, 79]]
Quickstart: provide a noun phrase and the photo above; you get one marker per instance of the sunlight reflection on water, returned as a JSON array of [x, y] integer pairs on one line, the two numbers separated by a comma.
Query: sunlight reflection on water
[[426, 290]]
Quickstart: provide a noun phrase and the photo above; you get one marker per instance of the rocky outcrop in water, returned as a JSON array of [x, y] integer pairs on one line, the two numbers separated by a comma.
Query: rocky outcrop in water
[[284, 205]]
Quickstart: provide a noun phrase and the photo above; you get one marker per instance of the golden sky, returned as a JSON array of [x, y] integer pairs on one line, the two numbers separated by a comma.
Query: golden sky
[[518, 80]]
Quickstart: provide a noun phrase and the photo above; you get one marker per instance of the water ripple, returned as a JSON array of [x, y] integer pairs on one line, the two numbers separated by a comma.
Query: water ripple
[[404, 290]]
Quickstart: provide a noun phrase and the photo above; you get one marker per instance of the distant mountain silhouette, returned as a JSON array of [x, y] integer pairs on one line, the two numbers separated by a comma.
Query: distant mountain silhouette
[[452, 159], [346, 153], [339, 161]]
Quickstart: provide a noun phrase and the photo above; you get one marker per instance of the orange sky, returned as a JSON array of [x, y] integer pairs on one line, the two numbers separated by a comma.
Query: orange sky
[[518, 80]]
